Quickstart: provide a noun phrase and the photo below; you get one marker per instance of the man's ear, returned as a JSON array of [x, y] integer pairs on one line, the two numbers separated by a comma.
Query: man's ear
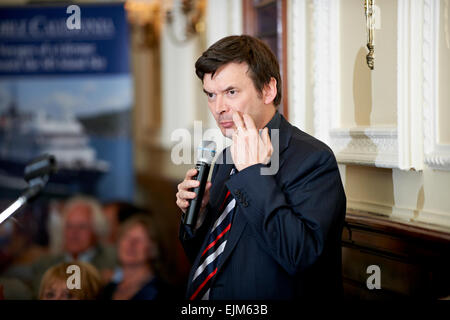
[[270, 91]]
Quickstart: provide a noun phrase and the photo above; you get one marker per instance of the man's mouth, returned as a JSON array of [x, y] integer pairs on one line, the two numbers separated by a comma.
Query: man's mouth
[[227, 124]]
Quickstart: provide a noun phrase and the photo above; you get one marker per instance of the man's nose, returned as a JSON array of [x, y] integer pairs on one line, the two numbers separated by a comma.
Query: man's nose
[[221, 105]]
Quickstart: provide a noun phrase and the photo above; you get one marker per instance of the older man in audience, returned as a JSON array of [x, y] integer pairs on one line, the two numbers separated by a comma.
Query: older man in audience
[[84, 229]]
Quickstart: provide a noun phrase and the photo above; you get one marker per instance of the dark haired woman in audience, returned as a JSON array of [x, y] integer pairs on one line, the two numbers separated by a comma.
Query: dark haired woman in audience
[[138, 254]]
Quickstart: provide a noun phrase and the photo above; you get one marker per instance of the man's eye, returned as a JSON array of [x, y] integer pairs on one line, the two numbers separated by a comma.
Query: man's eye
[[232, 92], [210, 95]]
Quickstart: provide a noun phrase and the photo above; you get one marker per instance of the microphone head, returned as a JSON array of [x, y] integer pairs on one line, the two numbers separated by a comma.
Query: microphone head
[[206, 151], [39, 167]]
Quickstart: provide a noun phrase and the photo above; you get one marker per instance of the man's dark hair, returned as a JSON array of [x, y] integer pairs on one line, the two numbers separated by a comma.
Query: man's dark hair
[[262, 63]]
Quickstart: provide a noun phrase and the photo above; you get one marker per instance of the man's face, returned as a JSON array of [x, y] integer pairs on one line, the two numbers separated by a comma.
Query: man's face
[[78, 229], [231, 89]]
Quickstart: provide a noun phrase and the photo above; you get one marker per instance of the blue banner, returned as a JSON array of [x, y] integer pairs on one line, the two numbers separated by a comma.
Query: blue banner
[[52, 40], [66, 90]]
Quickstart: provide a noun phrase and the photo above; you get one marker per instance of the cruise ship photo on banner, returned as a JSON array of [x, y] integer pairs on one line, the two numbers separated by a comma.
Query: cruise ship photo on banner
[[26, 134]]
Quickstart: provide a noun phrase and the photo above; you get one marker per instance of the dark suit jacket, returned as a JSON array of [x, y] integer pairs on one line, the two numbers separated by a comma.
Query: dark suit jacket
[[154, 289], [285, 240]]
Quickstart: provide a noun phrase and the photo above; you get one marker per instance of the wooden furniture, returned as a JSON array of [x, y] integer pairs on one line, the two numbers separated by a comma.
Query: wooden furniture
[[414, 261]]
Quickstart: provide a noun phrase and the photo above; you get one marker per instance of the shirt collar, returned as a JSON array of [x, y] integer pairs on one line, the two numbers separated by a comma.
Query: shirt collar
[[275, 122]]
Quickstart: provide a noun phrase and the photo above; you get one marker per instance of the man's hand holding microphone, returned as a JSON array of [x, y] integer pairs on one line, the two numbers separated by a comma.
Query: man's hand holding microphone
[[248, 148], [185, 193]]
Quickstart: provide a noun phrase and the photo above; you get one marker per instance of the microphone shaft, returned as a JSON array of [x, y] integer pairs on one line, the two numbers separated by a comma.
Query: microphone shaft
[[196, 203]]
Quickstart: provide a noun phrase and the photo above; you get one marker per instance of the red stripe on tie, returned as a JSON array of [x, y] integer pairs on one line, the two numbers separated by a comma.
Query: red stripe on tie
[[203, 284], [224, 201], [218, 237]]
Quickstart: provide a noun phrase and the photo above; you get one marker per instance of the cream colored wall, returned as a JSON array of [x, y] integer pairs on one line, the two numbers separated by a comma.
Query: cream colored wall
[[408, 196], [180, 88], [367, 97], [414, 197], [444, 72]]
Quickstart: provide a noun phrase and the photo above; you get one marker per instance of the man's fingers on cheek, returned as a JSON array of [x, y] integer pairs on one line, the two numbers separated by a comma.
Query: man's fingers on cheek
[[233, 139], [249, 123], [265, 136]]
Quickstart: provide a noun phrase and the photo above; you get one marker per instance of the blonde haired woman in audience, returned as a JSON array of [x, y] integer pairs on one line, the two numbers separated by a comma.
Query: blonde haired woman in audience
[[138, 253], [59, 282]]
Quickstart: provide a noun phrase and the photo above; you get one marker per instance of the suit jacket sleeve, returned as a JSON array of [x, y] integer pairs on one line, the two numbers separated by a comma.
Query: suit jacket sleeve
[[291, 217]]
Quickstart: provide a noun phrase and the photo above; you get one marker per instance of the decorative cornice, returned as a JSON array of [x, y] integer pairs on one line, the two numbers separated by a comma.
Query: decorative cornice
[[372, 146], [439, 160]]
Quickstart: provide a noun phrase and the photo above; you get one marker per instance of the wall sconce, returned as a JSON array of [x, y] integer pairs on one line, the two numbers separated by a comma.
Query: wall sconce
[[149, 16], [368, 9]]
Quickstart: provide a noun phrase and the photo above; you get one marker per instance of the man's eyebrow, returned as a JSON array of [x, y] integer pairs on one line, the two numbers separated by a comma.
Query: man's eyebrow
[[229, 88]]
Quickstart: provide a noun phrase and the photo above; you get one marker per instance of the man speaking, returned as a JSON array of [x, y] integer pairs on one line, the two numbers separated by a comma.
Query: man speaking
[[259, 235]]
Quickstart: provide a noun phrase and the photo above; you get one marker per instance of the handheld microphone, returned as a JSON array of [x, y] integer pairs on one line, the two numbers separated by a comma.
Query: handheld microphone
[[40, 167], [36, 174], [205, 155]]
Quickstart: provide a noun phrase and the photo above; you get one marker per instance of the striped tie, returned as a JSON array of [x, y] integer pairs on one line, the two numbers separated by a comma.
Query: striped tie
[[216, 244]]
